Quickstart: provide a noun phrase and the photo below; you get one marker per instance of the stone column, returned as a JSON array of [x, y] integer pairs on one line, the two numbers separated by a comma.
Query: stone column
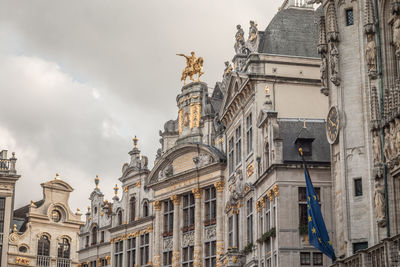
[[197, 228], [157, 234], [176, 244], [219, 186]]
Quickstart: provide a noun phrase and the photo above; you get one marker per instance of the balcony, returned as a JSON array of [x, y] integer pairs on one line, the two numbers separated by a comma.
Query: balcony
[[7, 165], [43, 261], [63, 262], [383, 254]]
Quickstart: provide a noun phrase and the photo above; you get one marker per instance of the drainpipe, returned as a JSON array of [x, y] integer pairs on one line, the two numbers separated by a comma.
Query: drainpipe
[[379, 65]]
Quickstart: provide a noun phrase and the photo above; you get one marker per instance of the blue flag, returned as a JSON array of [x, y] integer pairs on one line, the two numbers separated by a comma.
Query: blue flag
[[317, 233]]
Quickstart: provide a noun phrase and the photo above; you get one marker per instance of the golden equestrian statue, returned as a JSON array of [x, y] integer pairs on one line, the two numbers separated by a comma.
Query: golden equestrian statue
[[194, 66]]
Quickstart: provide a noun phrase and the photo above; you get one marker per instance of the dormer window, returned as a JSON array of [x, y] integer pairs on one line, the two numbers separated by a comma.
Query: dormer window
[[304, 140]]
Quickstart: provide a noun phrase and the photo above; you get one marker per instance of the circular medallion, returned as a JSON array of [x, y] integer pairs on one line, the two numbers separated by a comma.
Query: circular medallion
[[56, 216], [332, 125]]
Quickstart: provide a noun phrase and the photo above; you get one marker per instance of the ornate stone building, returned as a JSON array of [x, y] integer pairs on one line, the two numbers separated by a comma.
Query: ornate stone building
[[227, 187], [8, 178], [45, 233], [359, 45]]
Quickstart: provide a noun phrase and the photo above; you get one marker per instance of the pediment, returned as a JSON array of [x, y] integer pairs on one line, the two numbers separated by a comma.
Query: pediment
[[58, 184], [234, 84], [184, 158]]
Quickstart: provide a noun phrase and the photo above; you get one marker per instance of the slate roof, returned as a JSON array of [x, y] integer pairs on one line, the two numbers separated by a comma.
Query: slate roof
[[292, 32], [289, 132], [20, 218]]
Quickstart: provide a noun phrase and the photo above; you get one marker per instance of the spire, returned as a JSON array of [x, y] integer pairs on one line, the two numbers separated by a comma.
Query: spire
[[116, 198], [322, 45], [369, 26], [57, 176], [96, 181], [332, 26]]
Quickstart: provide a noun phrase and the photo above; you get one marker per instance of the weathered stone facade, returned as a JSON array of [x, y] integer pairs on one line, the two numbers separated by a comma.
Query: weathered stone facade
[[45, 233], [8, 178], [227, 187], [364, 37]]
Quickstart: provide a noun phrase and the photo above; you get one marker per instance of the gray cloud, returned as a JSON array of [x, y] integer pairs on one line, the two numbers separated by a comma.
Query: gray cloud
[[79, 78]]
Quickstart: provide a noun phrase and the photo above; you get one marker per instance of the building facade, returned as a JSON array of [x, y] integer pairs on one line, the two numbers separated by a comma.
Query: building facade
[[8, 178], [359, 46], [45, 233], [227, 187]]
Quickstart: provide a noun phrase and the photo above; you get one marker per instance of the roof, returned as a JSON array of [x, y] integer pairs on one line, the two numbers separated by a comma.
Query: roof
[[289, 132], [292, 32], [21, 212]]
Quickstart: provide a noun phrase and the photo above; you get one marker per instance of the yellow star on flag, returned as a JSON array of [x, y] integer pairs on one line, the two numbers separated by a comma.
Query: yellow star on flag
[[315, 197], [309, 218], [313, 230]]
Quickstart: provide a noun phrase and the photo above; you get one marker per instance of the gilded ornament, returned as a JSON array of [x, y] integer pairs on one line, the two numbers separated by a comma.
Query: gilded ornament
[[196, 192], [258, 206], [262, 202], [175, 199], [275, 188], [270, 195], [194, 66], [250, 169], [96, 181], [22, 261], [180, 116], [125, 189], [138, 184], [195, 115], [235, 259], [157, 205], [116, 190], [108, 259], [33, 204], [219, 186]]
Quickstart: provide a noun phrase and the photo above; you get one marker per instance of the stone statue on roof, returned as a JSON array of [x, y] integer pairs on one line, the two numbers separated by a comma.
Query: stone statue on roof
[[240, 43], [253, 41]]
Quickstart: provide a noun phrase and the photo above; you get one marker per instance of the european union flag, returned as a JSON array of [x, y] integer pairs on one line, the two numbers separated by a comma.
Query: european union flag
[[317, 233]]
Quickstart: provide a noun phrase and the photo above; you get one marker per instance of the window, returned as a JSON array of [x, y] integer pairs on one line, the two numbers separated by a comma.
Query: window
[[188, 212], [93, 264], [267, 214], [102, 237], [306, 145], [210, 253], [303, 217], [168, 218], [103, 262], [250, 220], [94, 236], [358, 187], [187, 257], [210, 204], [317, 259], [249, 133], [44, 246], [359, 245], [118, 252], [43, 252], [349, 17], [119, 217], [64, 249], [87, 241], [231, 157], [131, 251], [144, 249], [132, 209], [145, 209], [305, 258], [23, 249], [238, 145], [230, 231], [167, 258]]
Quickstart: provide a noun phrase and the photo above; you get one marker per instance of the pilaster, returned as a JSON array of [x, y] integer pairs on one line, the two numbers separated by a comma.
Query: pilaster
[[219, 186], [197, 192], [176, 245]]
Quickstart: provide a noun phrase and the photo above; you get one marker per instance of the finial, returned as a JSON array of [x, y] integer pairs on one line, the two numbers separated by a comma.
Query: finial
[[116, 189], [13, 155], [88, 208], [33, 204], [304, 123], [78, 212], [135, 140], [57, 176], [96, 181], [15, 229], [301, 151]]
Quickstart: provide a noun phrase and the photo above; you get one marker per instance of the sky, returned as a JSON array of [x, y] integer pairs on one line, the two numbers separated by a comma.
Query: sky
[[79, 79]]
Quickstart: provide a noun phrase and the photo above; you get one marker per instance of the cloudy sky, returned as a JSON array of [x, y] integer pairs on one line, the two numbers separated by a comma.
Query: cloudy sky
[[78, 79]]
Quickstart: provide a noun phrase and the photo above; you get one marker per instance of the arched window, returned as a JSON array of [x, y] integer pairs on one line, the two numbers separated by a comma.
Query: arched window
[[64, 249], [94, 235], [119, 217], [43, 246], [132, 208], [145, 209]]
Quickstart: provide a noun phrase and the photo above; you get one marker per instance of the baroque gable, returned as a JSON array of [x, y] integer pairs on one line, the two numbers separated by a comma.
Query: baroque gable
[[183, 159]]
